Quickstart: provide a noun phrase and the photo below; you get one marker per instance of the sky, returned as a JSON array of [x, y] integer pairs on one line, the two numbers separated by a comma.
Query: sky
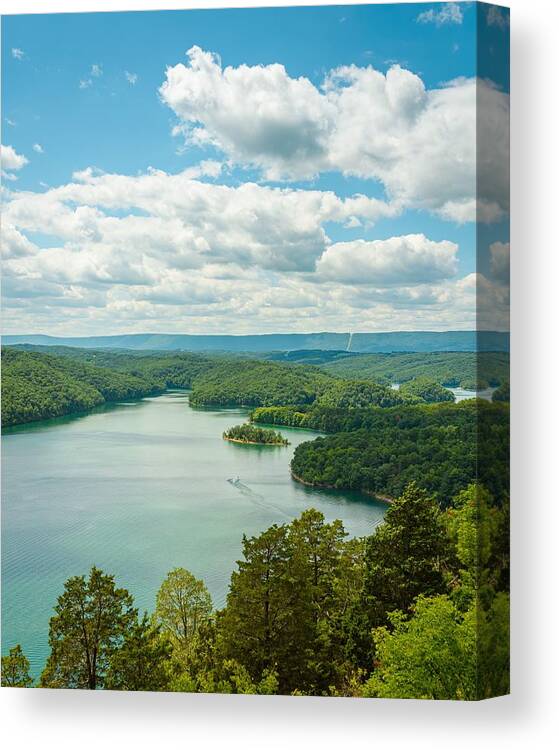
[[254, 171]]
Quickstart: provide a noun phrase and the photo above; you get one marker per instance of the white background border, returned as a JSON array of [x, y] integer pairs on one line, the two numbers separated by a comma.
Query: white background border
[[528, 718]]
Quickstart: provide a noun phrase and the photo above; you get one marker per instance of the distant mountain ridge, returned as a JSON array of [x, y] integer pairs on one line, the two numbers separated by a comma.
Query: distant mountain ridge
[[395, 341]]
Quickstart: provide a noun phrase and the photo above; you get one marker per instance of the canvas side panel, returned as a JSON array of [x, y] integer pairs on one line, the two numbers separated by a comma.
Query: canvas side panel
[[493, 335]]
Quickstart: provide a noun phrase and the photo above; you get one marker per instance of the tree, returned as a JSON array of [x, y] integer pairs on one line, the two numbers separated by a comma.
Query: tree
[[317, 549], [430, 655], [267, 622], [183, 604], [15, 669], [402, 561], [143, 660], [92, 619]]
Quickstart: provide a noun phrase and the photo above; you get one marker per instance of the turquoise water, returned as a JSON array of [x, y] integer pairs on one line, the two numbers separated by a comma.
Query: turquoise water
[[138, 489]]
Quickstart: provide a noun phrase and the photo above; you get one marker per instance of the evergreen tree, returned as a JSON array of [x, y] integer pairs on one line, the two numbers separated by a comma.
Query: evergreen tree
[[403, 559], [91, 621], [268, 621], [143, 662]]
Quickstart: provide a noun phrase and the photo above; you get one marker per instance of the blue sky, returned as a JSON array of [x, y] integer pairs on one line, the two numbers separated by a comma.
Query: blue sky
[[84, 91]]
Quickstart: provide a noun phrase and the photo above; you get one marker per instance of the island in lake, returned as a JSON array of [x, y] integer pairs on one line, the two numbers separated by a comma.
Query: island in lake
[[248, 433]]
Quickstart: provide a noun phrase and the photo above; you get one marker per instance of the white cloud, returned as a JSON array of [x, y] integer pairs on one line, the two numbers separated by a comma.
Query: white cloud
[[11, 161], [447, 14], [96, 70], [419, 143], [397, 261], [18, 53], [38, 148], [85, 83], [9, 122], [161, 251], [190, 221], [14, 243], [132, 78]]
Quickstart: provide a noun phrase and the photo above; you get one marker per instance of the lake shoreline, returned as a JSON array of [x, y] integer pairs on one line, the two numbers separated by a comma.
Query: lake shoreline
[[382, 498], [253, 442]]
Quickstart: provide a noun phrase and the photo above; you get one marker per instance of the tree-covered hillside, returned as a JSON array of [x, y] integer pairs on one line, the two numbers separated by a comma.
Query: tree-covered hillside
[[451, 369], [426, 390], [257, 383], [38, 386], [441, 447], [357, 394]]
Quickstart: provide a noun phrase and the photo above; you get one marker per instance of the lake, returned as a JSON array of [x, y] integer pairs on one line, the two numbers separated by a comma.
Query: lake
[[138, 489]]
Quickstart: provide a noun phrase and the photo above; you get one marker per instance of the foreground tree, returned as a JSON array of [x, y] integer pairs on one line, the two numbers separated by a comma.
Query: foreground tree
[[267, 622], [432, 655], [402, 560], [15, 669], [92, 619], [143, 662], [183, 605]]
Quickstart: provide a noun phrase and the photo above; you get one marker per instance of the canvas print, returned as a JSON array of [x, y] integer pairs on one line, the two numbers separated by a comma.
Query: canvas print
[[255, 353]]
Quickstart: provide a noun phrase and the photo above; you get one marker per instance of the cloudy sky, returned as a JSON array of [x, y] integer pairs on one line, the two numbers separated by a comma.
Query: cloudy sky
[[251, 171]]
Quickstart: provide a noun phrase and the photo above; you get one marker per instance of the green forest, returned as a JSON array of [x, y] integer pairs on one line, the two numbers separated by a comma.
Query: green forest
[[417, 610], [39, 386], [469, 370], [411, 443], [257, 383], [249, 433], [41, 382]]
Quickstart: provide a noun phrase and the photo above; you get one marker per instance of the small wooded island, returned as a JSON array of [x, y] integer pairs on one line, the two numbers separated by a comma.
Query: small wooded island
[[248, 433]]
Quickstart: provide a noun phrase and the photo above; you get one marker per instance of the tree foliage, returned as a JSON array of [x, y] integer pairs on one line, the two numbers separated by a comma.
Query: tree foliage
[[248, 433], [427, 390], [183, 605], [470, 370], [143, 660], [15, 669], [92, 620], [257, 383], [38, 386]]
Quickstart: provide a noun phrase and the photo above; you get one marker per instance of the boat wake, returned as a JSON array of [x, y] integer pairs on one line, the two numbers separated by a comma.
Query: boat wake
[[256, 497]]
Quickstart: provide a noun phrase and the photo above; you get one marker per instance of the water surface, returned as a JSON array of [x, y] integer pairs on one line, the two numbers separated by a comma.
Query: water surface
[[138, 489]]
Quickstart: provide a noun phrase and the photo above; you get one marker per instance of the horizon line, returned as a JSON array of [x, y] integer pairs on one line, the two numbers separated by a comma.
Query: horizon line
[[239, 335]]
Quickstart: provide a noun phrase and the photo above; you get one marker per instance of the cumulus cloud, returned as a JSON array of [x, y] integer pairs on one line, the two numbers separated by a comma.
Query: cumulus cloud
[[402, 261], [14, 243], [11, 162], [179, 252], [132, 78], [189, 221], [17, 53], [419, 143], [448, 13], [38, 148], [96, 70]]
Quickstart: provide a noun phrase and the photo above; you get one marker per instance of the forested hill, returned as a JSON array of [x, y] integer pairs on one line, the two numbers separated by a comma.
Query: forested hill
[[444, 447], [39, 386], [398, 341], [470, 370]]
